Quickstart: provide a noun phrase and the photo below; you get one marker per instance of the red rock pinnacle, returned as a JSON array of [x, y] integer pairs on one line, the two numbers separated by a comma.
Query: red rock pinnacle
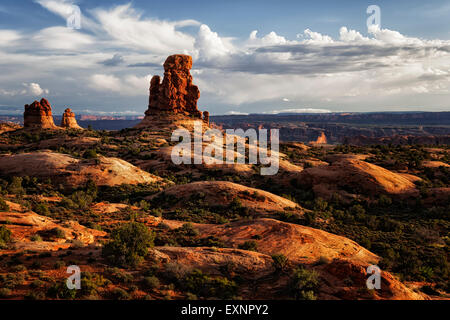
[[68, 120], [176, 93], [39, 115]]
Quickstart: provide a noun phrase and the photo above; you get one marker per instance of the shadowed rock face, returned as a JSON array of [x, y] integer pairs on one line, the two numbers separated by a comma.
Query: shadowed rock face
[[69, 121], [176, 93], [39, 115]]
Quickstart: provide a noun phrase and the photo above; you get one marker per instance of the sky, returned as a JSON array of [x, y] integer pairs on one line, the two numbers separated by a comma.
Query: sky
[[249, 56]]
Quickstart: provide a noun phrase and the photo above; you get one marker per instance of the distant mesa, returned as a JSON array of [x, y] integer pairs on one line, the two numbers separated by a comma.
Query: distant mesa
[[68, 120], [176, 94], [39, 115]]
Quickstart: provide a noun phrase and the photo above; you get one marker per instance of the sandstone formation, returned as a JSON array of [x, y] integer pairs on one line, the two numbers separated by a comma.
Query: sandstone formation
[[39, 115], [322, 139], [355, 177], [8, 126], [24, 225], [176, 94], [72, 172], [341, 259], [300, 244], [213, 193], [68, 120], [206, 117]]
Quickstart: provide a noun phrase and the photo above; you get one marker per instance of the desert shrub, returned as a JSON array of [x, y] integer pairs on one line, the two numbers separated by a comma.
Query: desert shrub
[[42, 209], [118, 275], [320, 204], [384, 201], [53, 233], [80, 200], [90, 154], [5, 236], [35, 238], [129, 244], [90, 282], [18, 268], [5, 293], [151, 282], [37, 284], [206, 286], [12, 280], [249, 245], [304, 284], [59, 290], [157, 212], [35, 295], [173, 272], [119, 294], [279, 261], [3, 205], [15, 187]]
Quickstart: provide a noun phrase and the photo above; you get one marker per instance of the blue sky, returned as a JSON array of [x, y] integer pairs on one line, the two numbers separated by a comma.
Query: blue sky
[[306, 56]]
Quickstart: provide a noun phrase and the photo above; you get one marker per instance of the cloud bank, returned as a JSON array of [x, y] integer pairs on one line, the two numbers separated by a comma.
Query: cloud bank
[[107, 64]]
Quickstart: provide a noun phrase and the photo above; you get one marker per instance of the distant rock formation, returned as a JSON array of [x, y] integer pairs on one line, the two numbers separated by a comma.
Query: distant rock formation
[[322, 139], [206, 117], [176, 93], [69, 121], [39, 115]]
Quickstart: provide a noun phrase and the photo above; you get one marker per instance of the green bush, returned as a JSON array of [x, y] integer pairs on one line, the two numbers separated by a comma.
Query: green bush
[[42, 209], [5, 293], [15, 187], [279, 261], [129, 244], [151, 282], [90, 154], [5, 236], [249, 245], [119, 294], [3, 205], [36, 238], [206, 286], [304, 284], [60, 290], [90, 282]]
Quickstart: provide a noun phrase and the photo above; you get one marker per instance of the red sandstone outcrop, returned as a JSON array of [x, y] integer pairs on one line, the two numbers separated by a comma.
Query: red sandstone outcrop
[[73, 172], [69, 121], [8, 126], [176, 94], [355, 177], [224, 192], [39, 115], [206, 117], [322, 139]]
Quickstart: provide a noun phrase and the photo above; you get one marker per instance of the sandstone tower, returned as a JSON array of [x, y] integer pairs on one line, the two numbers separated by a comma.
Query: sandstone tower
[[68, 120], [39, 115]]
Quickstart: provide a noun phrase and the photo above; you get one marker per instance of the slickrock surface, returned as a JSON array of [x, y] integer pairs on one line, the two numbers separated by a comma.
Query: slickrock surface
[[24, 225], [73, 172], [224, 192], [355, 176]]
